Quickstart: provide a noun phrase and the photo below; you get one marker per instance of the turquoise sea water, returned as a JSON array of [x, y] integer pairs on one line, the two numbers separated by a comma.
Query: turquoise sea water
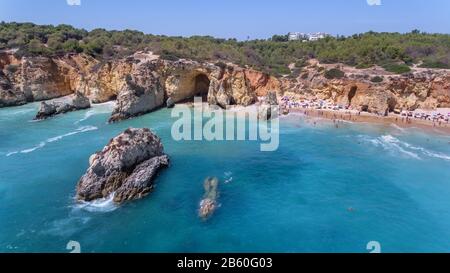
[[323, 190]]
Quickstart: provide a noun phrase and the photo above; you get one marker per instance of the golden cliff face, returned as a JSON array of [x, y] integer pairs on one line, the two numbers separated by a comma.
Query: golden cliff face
[[40, 78], [374, 91]]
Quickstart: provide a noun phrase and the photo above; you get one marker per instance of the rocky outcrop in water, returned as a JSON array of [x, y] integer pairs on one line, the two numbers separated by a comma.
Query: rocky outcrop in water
[[70, 103], [269, 109], [126, 167], [141, 94], [209, 202]]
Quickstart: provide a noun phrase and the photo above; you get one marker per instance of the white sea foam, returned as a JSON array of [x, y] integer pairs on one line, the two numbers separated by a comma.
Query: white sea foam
[[428, 152], [228, 176], [390, 143], [88, 114], [100, 205], [77, 131], [97, 109], [53, 139], [26, 151]]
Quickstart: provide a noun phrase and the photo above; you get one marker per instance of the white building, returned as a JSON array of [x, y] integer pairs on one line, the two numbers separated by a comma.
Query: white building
[[294, 36], [298, 36], [317, 36]]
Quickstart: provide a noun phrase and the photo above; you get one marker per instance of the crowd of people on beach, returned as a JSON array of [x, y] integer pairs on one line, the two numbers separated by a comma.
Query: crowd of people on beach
[[329, 109], [436, 117]]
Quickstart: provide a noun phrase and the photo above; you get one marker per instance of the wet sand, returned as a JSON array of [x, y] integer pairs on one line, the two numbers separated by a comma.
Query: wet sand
[[402, 122]]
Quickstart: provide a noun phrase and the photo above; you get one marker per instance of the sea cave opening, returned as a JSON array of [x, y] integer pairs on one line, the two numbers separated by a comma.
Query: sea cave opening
[[201, 86], [351, 94]]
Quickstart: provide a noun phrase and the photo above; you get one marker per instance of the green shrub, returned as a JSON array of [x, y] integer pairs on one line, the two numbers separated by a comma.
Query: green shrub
[[280, 70], [301, 63], [334, 73], [397, 68], [168, 56], [435, 64], [363, 66], [272, 55], [377, 79]]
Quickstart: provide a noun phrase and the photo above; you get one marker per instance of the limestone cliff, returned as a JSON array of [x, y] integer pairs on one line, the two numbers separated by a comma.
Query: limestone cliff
[[373, 90]]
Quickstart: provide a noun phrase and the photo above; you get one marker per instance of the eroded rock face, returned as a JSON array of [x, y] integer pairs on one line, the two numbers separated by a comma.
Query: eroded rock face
[[231, 88], [141, 94], [9, 95], [42, 79], [126, 167], [422, 88], [70, 103]]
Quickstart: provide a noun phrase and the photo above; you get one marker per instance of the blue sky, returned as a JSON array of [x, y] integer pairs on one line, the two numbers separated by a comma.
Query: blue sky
[[236, 18]]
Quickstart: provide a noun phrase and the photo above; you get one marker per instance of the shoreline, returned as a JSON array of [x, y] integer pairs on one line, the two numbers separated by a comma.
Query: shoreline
[[402, 122]]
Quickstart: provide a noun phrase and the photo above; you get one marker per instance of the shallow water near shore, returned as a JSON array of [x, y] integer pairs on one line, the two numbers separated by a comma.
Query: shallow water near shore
[[323, 190]]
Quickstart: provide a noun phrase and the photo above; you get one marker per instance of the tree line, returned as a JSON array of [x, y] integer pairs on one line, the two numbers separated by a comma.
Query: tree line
[[396, 52]]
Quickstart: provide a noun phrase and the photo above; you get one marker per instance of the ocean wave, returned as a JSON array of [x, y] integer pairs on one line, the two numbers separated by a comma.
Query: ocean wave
[[77, 131], [26, 151], [428, 152], [101, 205], [391, 143], [98, 109], [88, 114], [53, 139]]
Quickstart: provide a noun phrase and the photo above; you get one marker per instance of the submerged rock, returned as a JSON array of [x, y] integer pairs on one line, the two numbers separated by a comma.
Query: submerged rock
[[126, 167], [74, 102], [209, 203]]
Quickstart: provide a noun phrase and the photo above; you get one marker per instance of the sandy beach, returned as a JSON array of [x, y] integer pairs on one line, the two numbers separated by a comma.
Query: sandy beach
[[403, 122]]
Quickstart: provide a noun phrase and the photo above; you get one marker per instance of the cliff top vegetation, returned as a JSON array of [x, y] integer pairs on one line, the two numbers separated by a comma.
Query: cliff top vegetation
[[394, 51]]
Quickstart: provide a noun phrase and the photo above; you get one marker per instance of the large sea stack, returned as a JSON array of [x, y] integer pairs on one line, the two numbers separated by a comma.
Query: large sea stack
[[126, 167]]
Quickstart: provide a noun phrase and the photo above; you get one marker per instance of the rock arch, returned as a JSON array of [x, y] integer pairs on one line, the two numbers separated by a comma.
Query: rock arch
[[186, 85]]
